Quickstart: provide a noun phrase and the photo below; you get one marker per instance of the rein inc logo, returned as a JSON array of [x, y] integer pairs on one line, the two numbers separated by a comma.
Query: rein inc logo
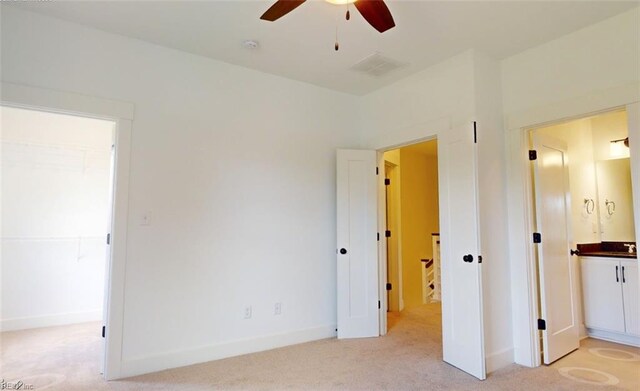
[[15, 385]]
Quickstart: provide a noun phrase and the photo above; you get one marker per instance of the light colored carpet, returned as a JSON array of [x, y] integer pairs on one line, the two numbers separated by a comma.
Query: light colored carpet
[[408, 358]]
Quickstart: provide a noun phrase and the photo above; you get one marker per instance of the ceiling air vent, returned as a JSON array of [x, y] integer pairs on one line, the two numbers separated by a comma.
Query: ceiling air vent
[[377, 65]]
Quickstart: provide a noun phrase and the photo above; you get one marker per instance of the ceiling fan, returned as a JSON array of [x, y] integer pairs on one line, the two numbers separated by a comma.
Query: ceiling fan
[[375, 12]]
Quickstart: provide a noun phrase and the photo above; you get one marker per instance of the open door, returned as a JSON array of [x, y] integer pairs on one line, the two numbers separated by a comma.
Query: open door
[[560, 331], [357, 253], [462, 318]]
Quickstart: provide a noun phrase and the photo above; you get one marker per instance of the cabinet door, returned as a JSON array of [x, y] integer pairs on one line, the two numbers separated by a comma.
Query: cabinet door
[[630, 292], [602, 294]]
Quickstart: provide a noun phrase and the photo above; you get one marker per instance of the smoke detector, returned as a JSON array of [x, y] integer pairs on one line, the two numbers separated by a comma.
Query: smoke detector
[[250, 44]]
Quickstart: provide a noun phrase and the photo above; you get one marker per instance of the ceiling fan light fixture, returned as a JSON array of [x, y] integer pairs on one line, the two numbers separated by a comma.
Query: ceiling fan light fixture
[[340, 2]]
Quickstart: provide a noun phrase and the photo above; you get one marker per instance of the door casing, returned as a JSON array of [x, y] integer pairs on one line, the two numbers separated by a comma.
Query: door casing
[[382, 245], [122, 113], [524, 291]]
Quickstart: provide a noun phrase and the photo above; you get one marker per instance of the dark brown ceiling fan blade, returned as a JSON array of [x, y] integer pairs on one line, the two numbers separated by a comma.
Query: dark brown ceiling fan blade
[[376, 13], [280, 9]]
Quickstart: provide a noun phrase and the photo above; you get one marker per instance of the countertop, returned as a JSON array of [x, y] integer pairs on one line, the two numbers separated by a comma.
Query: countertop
[[607, 249], [609, 254]]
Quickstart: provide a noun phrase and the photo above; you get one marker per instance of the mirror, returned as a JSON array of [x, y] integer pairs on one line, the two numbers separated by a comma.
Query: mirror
[[615, 200]]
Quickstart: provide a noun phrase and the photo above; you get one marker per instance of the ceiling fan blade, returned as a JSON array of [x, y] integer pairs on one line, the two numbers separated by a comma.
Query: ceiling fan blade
[[280, 9], [376, 13]]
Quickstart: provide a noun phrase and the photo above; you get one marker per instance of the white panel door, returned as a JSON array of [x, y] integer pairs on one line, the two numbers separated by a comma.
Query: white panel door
[[461, 271], [553, 213], [602, 294], [631, 294], [357, 254]]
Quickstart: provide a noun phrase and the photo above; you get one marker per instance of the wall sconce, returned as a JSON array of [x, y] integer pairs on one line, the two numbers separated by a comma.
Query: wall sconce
[[617, 147]]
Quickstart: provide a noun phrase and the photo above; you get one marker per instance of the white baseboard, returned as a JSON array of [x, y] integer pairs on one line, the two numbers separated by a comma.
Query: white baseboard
[[181, 358], [583, 333], [50, 320], [625, 339], [499, 360]]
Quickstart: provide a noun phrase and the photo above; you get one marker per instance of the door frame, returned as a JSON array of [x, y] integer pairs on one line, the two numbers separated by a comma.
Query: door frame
[[122, 114], [394, 176], [524, 291], [382, 226]]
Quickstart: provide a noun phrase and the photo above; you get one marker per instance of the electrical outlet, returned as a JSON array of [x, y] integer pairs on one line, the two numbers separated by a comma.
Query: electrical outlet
[[247, 312], [277, 309]]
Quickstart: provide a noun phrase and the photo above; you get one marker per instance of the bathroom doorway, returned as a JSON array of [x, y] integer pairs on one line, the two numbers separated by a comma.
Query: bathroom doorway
[[584, 238]]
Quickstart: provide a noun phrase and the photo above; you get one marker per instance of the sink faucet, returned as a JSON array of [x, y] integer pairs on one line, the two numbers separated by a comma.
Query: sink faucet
[[632, 248]]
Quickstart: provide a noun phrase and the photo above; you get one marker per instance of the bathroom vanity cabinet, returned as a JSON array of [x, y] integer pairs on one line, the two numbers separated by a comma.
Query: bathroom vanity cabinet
[[611, 298]]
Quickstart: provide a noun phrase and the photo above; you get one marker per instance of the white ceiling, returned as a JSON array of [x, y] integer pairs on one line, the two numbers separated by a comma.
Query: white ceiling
[[300, 45]]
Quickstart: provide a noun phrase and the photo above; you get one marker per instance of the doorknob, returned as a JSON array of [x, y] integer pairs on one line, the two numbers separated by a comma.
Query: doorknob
[[468, 258], [343, 251]]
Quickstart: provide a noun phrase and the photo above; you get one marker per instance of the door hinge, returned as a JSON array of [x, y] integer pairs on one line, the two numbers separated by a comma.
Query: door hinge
[[387, 181], [475, 133], [109, 238], [537, 237], [533, 155], [542, 325], [389, 286], [387, 234], [378, 235], [104, 331], [479, 258], [376, 170], [379, 304]]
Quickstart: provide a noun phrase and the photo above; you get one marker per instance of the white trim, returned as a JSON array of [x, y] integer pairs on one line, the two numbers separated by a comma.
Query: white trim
[[429, 131], [64, 102], [382, 245], [180, 358], [626, 339], [633, 124], [121, 113], [499, 360], [523, 268], [35, 322], [578, 107]]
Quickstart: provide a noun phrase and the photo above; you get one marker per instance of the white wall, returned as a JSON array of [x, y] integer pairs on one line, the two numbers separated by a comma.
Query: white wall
[[593, 69], [55, 195], [586, 63], [420, 105], [493, 213], [227, 160], [461, 89]]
